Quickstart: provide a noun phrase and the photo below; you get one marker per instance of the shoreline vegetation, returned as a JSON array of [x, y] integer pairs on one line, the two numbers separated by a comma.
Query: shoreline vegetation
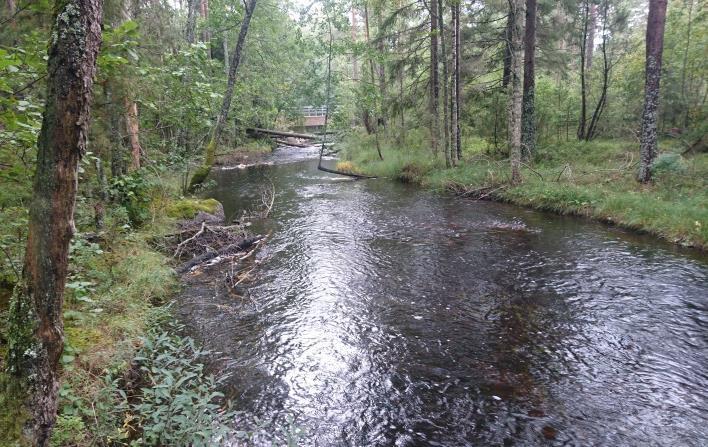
[[127, 372], [596, 180]]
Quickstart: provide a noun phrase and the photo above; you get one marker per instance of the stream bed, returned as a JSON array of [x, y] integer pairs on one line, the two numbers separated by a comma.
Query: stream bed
[[385, 315]]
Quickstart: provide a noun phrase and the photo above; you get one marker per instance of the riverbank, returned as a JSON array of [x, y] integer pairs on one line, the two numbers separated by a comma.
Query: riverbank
[[249, 153], [127, 375], [594, 180]]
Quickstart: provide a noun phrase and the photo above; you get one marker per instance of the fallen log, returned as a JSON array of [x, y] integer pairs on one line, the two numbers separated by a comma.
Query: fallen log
[[280, 133], [241, 246], [348, 174], [292, 143]]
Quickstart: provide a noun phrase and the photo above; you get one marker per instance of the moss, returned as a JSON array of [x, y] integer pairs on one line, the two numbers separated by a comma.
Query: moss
[[200, 175], [188, 208], [12, 414]]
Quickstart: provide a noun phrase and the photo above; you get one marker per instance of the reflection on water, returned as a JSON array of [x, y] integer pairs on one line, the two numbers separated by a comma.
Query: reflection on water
[[384, 315]]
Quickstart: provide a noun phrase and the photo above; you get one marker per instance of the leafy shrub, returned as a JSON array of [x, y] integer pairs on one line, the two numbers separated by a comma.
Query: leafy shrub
[[69, 430], [134, 192]]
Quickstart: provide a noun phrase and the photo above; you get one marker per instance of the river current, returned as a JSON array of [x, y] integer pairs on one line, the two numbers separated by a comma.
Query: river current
[[384, 315]]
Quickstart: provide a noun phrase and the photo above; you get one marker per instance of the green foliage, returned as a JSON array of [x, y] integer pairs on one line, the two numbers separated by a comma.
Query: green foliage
[[69, 430], [177, 405], [134, 192]]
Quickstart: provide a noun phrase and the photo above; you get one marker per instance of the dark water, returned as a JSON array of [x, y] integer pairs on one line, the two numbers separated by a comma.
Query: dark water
[[385, 315]]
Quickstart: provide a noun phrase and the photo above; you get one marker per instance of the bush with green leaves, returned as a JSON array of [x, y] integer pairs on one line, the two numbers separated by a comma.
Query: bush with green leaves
[[178, 404], [134, 192]]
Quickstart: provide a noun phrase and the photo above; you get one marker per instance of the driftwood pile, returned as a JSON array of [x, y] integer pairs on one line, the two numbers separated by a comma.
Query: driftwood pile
[[205, 238]]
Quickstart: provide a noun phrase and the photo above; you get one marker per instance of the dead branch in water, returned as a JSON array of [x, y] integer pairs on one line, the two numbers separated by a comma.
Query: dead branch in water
[[480, 193], [267, 198]]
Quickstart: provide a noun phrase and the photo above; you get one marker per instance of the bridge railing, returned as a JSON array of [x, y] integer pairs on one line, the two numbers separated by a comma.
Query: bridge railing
[[308, 111]]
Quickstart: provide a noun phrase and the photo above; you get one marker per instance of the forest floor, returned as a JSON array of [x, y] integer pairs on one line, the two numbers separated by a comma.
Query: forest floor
[[594, 180]]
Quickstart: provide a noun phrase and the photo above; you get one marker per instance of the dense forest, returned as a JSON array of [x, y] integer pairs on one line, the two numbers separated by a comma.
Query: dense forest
[[114, 115]]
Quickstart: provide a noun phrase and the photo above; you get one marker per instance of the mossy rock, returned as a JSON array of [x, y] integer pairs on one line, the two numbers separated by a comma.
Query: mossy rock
[[189, 208]]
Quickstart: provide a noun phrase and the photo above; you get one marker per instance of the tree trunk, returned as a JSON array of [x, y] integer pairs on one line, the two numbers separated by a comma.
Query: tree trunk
[[528, 119], [684, 98], [592, 128], [507, 50], [445, 80], [35, 325], [583, 90], [225, 45], [11, 11], [458, 88], [354, 32], [381, 71], [234, 63], [374, 123], [517, 9], [590, 44], [655, 46], [132, 126], [434, 81], [206, 34], [453, 81], [191, 27]]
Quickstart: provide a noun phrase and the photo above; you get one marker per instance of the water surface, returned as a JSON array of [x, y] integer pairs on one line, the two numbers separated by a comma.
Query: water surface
[[385, 315]]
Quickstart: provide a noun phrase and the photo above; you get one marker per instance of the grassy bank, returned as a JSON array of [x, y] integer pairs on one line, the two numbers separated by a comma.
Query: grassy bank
[[126, 373], [593, 179]]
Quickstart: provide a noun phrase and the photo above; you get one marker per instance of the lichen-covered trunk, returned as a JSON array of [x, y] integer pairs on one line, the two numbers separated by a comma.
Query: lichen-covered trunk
[[528, 119], [434, 80], [235, 61], [132, 127], [36, 335], [516, 8], [655, 46]]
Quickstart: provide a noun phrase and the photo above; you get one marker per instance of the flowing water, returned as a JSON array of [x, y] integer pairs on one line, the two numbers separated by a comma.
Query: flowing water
[[385, 315]]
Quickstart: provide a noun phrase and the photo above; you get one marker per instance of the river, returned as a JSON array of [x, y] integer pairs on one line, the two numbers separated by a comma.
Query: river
[[385, 315]]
